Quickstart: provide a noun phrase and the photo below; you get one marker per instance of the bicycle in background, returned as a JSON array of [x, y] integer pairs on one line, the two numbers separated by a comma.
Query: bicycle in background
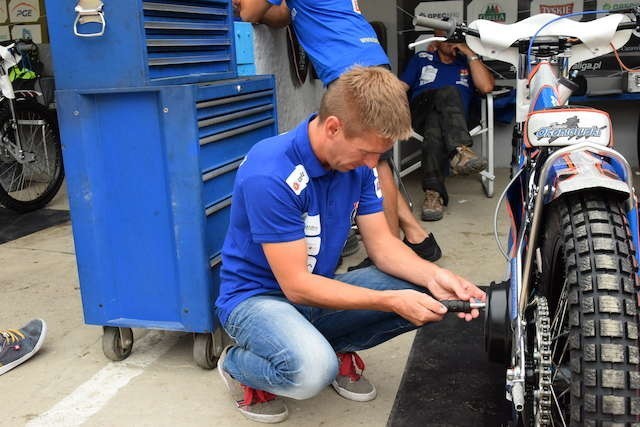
[[31, 169]]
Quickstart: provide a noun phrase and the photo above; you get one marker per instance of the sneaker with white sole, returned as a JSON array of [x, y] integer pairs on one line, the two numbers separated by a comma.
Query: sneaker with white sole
[[18, 345], [349, 383], [256, 405]]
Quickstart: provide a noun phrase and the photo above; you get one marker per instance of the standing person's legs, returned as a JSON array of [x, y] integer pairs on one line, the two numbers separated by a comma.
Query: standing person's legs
[[418, 239], [391, 196], [399, 217]]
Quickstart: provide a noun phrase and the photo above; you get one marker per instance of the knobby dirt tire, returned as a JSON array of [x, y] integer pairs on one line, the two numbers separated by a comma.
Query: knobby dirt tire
[[587, 241]]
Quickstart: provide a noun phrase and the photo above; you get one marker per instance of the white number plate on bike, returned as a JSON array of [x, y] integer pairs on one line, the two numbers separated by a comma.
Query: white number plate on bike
[[568, 126]]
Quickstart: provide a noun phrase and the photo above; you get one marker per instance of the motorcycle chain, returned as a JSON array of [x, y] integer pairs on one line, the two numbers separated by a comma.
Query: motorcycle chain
[[543, 363]]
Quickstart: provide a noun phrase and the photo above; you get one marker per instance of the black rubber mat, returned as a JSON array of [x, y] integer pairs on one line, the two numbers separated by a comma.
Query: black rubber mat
[[14, 225], [448, 380]]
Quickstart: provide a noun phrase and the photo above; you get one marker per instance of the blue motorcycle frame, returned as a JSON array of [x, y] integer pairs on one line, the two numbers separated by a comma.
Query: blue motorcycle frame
[[563, 160]]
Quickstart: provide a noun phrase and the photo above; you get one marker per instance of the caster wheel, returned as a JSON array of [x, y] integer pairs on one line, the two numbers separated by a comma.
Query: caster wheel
[[117, 342], [207, 348]]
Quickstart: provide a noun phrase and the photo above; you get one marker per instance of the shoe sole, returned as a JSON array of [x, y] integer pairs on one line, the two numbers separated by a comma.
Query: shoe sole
[[358, 397], [431, 216], [27, 356], [470, 169], [266, 419], [432, 257]]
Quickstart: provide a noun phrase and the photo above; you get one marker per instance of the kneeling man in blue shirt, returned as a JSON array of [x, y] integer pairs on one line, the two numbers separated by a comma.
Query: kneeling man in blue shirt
[[297, 325]]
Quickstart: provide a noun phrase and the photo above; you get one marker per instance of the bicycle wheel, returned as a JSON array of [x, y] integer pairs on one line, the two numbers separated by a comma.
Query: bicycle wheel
[[585, 353], [30, 183]]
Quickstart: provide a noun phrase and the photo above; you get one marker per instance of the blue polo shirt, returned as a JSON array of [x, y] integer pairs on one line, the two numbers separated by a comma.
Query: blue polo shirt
[[426, 71], [335, 35], [282, 193]]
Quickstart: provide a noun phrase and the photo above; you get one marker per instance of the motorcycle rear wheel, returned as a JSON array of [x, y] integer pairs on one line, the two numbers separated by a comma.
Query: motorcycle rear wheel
[[589, 276]]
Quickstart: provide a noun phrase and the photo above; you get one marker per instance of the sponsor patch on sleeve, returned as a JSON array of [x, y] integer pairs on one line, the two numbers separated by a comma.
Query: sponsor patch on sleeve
[[313, 245], [298, 179], [311, 263], [311, 225]]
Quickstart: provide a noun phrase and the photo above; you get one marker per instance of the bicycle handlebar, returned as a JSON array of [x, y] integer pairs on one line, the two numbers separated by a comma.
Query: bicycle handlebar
[[451, 27], [436, 24]]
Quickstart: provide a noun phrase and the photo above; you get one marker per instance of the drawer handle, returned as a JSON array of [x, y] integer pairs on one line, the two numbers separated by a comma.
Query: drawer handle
[[221, 171], [218, 206], [234, 132], [215, 260]]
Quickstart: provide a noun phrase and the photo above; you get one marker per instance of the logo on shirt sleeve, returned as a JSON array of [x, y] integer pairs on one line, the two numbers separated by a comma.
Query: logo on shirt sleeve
[[311, 263], [311, 225], [298, 179], [376, 183], [313, 245]]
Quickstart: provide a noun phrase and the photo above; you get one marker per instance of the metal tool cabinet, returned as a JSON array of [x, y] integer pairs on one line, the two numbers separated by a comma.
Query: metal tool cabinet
[[149, 174], [134, 43]]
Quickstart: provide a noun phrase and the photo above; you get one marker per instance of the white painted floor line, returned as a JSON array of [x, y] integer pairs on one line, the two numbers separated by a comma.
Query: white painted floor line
[[91, 396]]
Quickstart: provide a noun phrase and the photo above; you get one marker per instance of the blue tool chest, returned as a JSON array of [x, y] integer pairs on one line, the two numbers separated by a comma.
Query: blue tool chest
[[157, 42], [150, 172]]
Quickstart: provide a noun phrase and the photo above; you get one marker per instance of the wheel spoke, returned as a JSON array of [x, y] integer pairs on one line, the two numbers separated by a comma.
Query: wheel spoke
[[555, 399], [558, 365]]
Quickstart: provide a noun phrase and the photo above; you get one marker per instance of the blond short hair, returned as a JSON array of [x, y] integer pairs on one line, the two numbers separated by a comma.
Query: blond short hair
[[368, 99]]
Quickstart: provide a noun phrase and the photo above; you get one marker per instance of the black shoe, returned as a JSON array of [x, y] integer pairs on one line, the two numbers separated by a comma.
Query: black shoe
[[363, 264], [427, 249]]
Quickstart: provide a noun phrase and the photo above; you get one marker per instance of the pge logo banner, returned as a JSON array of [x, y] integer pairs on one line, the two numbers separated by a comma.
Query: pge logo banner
[[614, 5], [24, 10], [440, 9], [492, 10], [557, 7]]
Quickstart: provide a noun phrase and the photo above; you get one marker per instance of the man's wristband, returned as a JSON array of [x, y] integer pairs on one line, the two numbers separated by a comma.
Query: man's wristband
[[474, 58]]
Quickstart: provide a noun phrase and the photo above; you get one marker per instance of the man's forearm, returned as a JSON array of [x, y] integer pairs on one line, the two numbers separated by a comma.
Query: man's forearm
[[263, 12], [482, 77], [319, 291], [277, 16]]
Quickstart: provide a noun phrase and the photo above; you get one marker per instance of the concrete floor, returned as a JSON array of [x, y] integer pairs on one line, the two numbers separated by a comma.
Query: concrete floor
[[70, 382]]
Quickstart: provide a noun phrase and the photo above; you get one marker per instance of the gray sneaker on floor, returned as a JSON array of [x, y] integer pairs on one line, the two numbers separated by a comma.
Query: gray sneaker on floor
[[256, 405], [18, 345], [349, 383]]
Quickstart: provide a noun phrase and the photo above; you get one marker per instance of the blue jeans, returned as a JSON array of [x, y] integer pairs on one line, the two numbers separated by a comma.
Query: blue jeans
[[290, 350]]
